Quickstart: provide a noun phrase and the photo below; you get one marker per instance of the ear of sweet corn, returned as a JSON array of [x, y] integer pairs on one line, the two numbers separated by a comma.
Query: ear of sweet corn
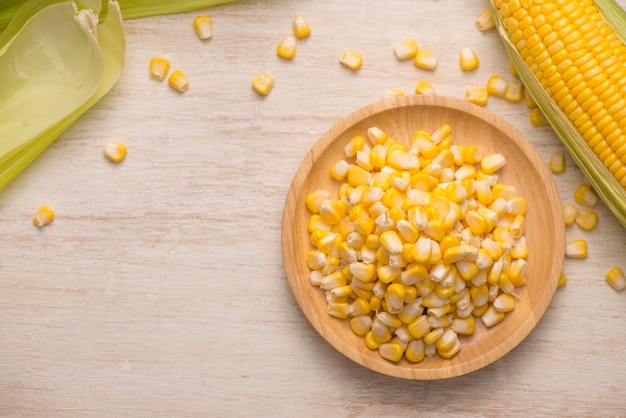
[[571, 60]]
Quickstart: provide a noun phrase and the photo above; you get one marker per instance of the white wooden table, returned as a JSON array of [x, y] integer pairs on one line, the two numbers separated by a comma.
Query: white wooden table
[[159, 290]]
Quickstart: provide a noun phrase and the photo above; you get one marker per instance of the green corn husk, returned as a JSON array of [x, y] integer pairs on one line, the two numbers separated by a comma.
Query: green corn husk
[[604, 183], [57, 59]]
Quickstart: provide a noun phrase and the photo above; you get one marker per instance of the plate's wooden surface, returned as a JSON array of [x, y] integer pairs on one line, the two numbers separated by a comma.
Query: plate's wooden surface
[[545, 231]]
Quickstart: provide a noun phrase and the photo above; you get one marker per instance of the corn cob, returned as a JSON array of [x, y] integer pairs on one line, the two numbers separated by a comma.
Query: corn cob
[[571, 57]]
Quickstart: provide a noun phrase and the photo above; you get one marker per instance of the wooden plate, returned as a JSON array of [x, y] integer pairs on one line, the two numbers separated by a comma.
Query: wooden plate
[[545, 231]]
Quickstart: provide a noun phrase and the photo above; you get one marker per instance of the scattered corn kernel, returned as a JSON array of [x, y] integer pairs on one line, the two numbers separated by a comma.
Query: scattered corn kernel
[[477, 95], [587, 219], [576, 249], [586, 196], [159, 67], [115, 151], [468, 60], [351, 59], [204, 27], [301, 27], [263, 84], [484, 21], [615, 278], [425, 59], [178, 81], [569, 213], [514, 91], [537, 118], [286, 47], [392, 93], [496, 86], [557, 162], [44, 216], [562, 280], [406, 50], [424, 87]]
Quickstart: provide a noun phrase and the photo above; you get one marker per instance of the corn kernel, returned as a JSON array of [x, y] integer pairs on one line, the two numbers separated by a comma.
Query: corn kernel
[[44, 216], [424, 87], [425, 59], [496, 86], [301, 27], [562, 279], [514, 91], [484, 21], [537, 118], [615, 278], [178, 81], [115, 151], [406, 50], [159, 67], [569, 213], [204, 27], [576, 249], [263, 83], [557, 162], [351, 60], [586, 196], [286, 47], [586, 219], [468, 59]]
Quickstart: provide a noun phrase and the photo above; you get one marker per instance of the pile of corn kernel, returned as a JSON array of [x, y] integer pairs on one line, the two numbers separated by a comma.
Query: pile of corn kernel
[[420, 242]]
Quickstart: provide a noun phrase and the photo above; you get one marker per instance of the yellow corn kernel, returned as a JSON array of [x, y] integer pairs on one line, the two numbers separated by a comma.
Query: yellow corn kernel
[[392, 93], [463, 326], [263, 83], [576, 249], [492, 163], [615, 278], [425, 59], [371, 342], [115, 151], [315, 199], [496, 86], [178, 81], [286, 47], [315, 260], [356, 143], [391, 241], [432, 336], [391, 351], [159, 67], [586, 196], [468, 59], [492, 317], [43, 216], [204, 27], [301, 27], [358, 175], [477, 95], [504, 303], [351, 59], [361, 324], [484, 21], [557, 162], [424, 87], [586, 219], [447, 341], [332, 211], [562, 279], [377, 135], [537, 118], [339, 170], [406, 50], [420, 327], [514, 91], [569, 213], [415, 351]]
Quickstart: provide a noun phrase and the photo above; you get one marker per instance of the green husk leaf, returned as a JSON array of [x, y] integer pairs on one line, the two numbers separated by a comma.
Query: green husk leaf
[[132, 9], [58, 65], [600, 178]]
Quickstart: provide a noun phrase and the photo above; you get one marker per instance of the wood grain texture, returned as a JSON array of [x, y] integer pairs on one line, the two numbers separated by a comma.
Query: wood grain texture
[[159, 289]]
